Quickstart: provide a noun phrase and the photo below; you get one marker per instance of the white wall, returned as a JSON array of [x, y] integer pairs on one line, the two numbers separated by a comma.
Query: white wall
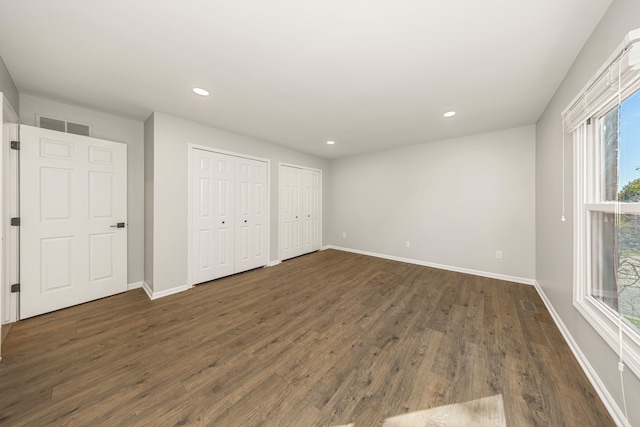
[[8, 87], [170, 139], [554, 239], [457, 201], [114, 128]]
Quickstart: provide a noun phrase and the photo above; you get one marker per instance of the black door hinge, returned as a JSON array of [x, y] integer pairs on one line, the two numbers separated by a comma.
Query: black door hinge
[[15, 288], [15, 221], [15, 145]]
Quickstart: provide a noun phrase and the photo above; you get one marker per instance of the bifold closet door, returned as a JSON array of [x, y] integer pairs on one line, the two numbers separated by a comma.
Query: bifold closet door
[[230, 221], [290, 211], [251, 237], [300, 211], [213, 242], [310, 210]]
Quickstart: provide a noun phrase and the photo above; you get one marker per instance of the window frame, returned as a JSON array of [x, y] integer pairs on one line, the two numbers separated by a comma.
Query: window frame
[[588, 188]]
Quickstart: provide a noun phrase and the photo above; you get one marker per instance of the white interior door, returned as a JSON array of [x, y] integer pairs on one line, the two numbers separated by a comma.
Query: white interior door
[[311, 240], [251, 249], [73, 207], [290, 212], [213, 215]]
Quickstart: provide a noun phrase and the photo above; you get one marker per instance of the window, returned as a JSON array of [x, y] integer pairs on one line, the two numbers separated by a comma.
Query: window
[[605, 122], [613, 211]]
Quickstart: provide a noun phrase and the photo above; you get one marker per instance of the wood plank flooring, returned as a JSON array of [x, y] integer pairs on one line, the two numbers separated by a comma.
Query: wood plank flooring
[[327, 339]]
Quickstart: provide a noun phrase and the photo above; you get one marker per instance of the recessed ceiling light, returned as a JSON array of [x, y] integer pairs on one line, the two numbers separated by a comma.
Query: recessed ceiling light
[[449, 114], [200, 91], [331, 142]]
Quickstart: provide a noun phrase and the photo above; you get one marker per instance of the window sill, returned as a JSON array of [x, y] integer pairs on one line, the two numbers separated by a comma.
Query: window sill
[[606, 323]]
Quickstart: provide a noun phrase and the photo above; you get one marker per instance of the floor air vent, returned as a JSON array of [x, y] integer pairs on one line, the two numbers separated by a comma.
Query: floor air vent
[[64, 126], [528, 306]]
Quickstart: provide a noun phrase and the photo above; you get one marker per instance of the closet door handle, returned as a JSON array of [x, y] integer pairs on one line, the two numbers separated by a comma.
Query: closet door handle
[[245, 220], [223, 222]]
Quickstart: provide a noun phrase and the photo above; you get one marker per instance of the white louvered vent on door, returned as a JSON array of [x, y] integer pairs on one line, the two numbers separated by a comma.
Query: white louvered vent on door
[[64, 126]]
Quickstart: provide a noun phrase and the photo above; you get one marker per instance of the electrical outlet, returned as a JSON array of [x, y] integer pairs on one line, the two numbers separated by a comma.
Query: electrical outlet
[[407, 244], [499, 254], [344, 235]]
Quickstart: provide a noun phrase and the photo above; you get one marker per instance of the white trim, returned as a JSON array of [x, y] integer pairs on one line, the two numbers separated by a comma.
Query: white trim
[[8, 300], [134, 285], [10, 209], [147, 289], [273, 263], [490, 275], [609, 402], [610, 207], [291, 165], [606, 325], [155, 295], [228, 153], [586, 188]]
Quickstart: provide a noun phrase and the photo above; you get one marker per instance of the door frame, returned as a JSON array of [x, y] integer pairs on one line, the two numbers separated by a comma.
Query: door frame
[[280, 214], [190, 148], [8, 208]]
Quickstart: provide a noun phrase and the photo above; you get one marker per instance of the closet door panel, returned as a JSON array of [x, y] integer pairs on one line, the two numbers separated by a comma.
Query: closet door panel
[[224, 215], [251, 208], [212, 212], [291, 212], [203, 237], [311, 210]]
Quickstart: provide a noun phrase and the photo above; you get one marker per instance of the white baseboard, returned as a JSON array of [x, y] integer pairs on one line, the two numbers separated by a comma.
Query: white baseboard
[[273, 263], [134, 285], [147, 289], [614, 410], [155, 295], [490, 275]]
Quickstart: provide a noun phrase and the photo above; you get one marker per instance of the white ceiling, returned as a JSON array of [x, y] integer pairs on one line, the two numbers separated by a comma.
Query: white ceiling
[[369, 74]]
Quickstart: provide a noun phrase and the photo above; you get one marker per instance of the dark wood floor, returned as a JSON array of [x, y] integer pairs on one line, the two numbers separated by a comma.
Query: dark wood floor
[[326, 339]]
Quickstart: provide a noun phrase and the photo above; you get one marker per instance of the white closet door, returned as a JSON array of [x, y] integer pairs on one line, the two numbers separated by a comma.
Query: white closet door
[[213, 217], [251, 245], [290, 212], [73, 219], [311, 210]]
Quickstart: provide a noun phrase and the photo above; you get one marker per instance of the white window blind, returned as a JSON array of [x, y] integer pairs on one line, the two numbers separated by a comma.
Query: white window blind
[[602, 89]]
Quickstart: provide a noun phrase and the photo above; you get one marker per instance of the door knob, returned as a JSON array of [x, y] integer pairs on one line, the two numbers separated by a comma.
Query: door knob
[[223, 222], [245, 220], [118, 225]]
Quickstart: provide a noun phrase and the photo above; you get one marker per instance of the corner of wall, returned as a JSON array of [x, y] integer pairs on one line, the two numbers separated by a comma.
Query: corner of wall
[[590, 372], [149, 128], [8, 87]]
